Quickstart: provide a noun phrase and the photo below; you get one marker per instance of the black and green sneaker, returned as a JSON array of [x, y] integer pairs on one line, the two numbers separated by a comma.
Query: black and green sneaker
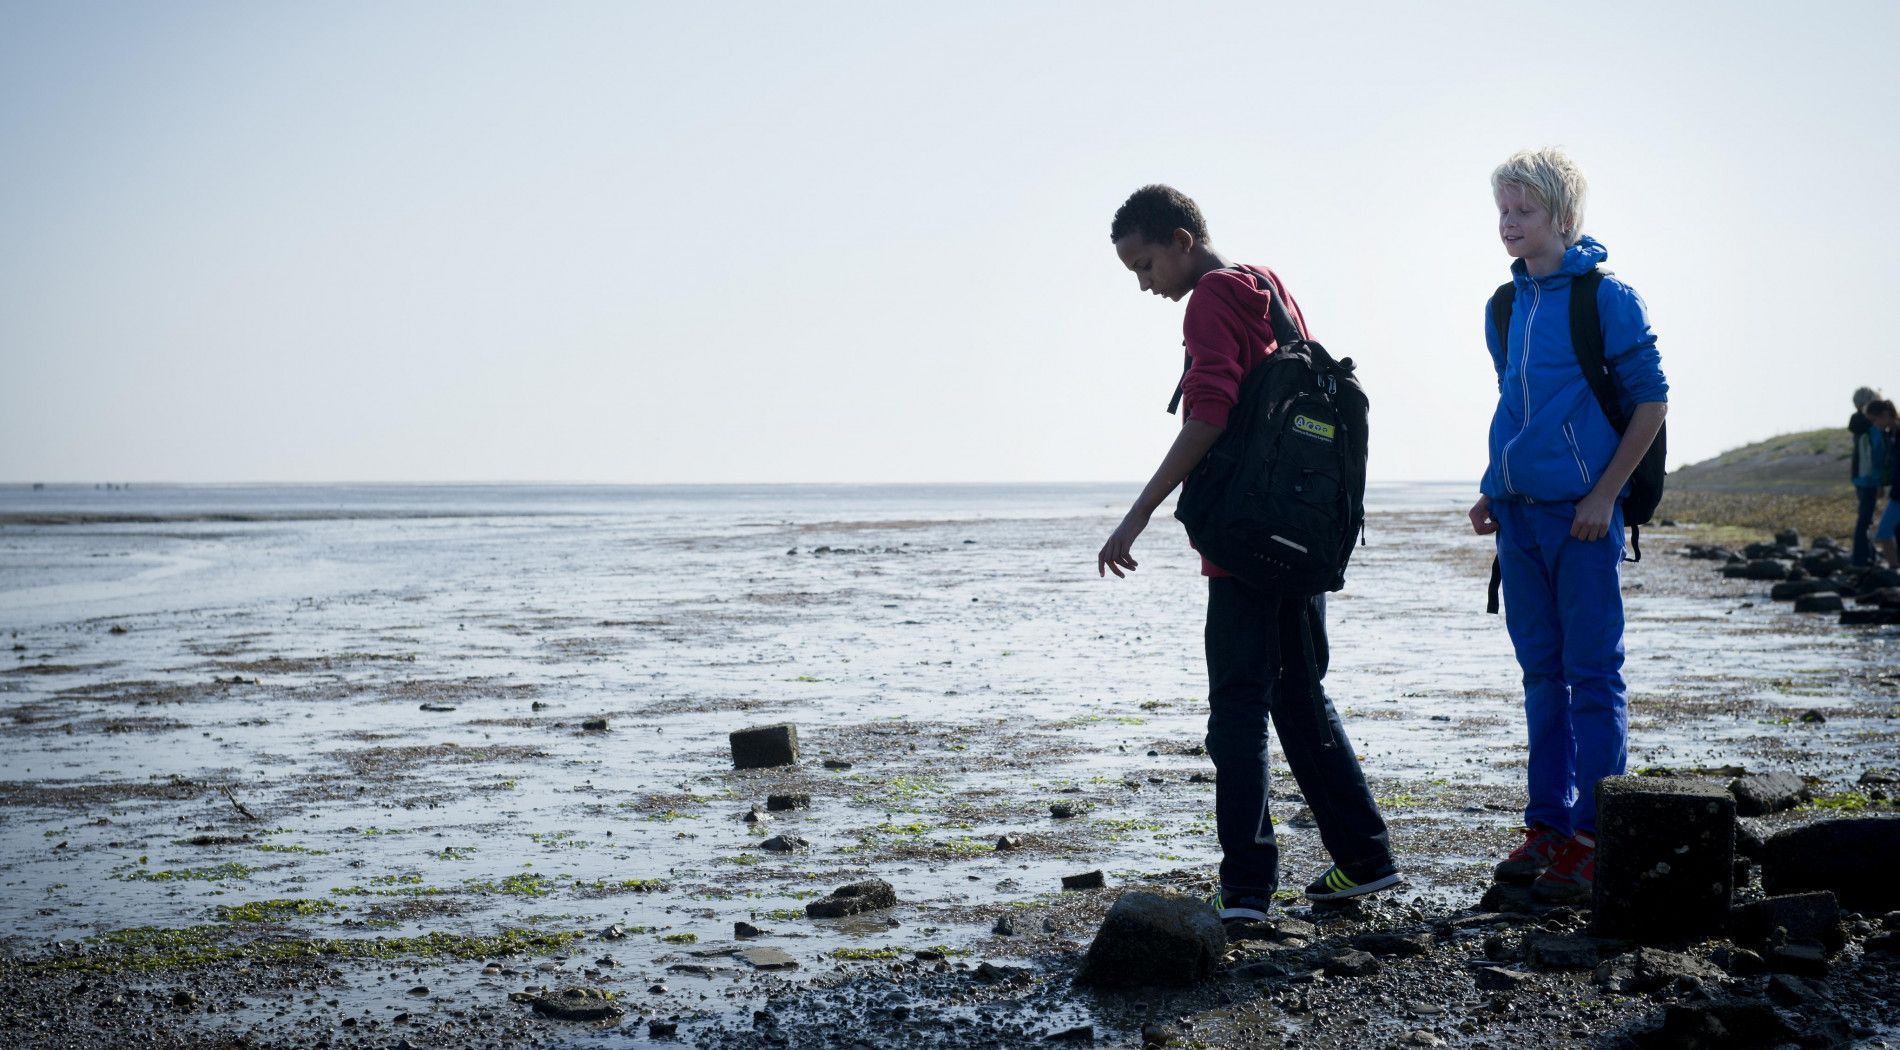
[[1232, 907], [1336, 885]]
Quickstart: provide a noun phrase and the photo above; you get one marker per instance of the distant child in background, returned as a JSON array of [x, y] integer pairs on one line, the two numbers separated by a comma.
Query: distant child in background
[[1552, 495], [1870, 465], [1257, 667], [1881, 414]]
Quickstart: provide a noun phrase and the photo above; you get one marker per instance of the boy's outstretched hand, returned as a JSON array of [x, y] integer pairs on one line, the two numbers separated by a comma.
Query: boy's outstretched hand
[[1115, 555], [1482, 522]]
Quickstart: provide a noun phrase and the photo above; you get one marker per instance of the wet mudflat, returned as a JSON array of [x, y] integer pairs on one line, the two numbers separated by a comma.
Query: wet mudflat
[[344, 779]]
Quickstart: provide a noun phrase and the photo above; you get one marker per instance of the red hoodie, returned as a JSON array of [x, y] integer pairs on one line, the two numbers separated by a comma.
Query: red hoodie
[[1226, 332]]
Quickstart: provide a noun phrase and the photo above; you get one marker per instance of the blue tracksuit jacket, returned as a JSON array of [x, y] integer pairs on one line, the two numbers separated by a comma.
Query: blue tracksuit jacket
[[1549, 439]]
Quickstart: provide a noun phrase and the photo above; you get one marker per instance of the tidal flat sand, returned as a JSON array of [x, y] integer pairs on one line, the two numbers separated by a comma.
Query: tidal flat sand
[[295, 767]]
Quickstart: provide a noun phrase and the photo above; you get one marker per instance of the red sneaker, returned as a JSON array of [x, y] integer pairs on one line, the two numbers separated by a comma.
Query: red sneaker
[[1532, 857], [1571, 877]]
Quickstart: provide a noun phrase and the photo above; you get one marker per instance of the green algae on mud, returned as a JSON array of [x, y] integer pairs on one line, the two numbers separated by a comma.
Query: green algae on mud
[[144, 949], [276, 910]]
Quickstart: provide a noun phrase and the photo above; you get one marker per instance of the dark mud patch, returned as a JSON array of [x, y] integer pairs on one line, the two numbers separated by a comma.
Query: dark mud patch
[[59, 795], [386, 761]]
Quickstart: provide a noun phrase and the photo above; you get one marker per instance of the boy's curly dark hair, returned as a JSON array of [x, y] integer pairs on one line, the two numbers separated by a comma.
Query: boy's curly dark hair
[[1155, 212]]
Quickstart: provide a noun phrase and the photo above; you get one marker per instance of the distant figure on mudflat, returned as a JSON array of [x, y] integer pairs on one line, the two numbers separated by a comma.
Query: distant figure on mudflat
[[1880, 412], [1553, 495], [1869, 466]]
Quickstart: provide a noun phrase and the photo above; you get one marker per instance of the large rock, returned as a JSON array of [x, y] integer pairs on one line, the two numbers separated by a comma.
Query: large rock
[[1766, 793], [1154, 938], [1561, 951], [1855, 858], [762, 747], [1665, 858], [1654, 970], [868, 895], [1789, 590], [1818, 603], [1762, 569], [1719, 1023], [1812, 917]]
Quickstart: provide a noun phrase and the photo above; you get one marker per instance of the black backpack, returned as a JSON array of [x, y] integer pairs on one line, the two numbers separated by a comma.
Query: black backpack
[[1586, 339], [1280, 498]]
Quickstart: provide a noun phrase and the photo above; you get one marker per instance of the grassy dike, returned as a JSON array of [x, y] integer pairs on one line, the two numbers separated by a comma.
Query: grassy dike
[[1793, 481]]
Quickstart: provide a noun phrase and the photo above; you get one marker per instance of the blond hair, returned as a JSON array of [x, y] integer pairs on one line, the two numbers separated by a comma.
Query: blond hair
[[1554, 180]]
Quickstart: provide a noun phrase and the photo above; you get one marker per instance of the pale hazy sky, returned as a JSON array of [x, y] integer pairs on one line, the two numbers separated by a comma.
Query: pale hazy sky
[[868, 242]]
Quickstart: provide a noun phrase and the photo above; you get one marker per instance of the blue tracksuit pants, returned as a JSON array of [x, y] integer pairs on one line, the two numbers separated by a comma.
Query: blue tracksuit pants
[[1563, 605]]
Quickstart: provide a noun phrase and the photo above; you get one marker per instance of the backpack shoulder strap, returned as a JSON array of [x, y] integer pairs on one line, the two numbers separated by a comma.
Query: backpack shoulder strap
[[1586, 339], [1501, 302]]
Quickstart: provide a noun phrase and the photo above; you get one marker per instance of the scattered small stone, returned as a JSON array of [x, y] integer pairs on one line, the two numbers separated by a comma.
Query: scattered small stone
[[1350, 962], [1738, 962], [836, 763], [1654, 970], [183, 999], [1560, 951], [990, 973], [786, 844], [1789, 990], [1499, 979], [766, 958], [594, 725], [1010, 840], [1766, 793], [1800, 958], [1155, 1034], [420, 989], [1088, 880], [869, 895], [438, 707], [613, 933], [1423, 1038], [1287, 929], [1081, 1034], [1402, 945], [746, 931], [577, 1004], [662, 1029], [781, 803], [1005, 926], [1061, 810]]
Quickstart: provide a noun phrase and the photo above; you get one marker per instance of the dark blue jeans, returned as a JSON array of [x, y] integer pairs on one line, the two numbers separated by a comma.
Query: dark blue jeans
[[1266, 657], [1863, 521]]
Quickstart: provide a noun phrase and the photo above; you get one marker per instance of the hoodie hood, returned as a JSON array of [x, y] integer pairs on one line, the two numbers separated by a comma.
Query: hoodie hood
[[1581, 257]]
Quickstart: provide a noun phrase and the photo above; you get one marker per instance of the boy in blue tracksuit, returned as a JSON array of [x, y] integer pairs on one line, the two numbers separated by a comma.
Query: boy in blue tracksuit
[[1552, 493]]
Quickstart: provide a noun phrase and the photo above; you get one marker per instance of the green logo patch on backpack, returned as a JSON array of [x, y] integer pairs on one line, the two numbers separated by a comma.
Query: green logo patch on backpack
[[1313, 427]]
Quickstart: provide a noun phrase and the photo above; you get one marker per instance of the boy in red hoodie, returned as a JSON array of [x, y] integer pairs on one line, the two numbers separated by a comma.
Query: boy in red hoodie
[[1257, 666]]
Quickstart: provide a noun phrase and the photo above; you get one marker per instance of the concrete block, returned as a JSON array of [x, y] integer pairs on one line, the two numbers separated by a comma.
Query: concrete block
[[1665, 860], [762, 747]]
